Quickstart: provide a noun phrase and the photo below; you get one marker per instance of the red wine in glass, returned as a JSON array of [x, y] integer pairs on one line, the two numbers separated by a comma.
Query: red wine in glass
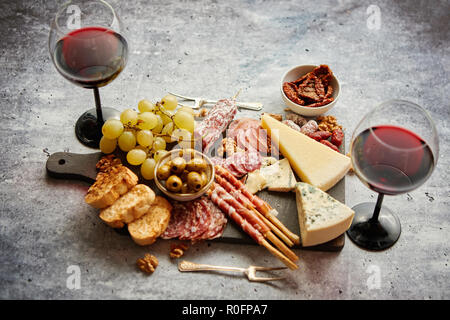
[[90, 51], [392, 160], [394, 150], [91, 57]]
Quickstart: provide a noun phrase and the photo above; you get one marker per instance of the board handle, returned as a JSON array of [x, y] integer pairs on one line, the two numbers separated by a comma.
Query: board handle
[[66, 165]]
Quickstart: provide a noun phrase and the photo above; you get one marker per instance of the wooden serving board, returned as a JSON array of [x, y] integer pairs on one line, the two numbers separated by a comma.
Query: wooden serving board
[[65, 165]]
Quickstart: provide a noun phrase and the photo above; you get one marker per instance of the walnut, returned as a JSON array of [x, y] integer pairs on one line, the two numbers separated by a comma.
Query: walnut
[[228, 148], [328, 123], [177, 250], [147, 264]]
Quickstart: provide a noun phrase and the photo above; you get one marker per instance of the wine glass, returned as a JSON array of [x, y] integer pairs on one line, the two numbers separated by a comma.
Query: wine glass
[[394, 150], [88, 48]]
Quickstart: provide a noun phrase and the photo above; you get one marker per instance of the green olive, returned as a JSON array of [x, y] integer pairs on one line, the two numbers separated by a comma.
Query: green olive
[[163, 172], [196, 164], [184, 175], [174, 183], [185, 188], [204, 178], [194, 181], [177, 165]]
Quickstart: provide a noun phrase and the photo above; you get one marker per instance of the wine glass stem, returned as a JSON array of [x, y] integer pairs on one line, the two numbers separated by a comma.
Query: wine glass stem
[[98, 107], [376, 212]]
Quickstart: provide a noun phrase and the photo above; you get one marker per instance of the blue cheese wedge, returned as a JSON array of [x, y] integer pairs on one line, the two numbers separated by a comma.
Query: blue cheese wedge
[[321, 217], [279, 176], [276, 177], [255, 182]]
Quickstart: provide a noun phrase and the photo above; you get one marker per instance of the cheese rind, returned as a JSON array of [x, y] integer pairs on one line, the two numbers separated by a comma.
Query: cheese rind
[[321, 217], [313, 162]]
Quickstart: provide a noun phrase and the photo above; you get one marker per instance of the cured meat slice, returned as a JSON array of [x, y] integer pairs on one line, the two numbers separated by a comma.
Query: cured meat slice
[[177, 223], [236, 167], [263, 141], [253, 161], [217, 120], [216, 224], [251, 136], [241, 141], [198, 220], [241, 124], [240, 163], [192, 220]]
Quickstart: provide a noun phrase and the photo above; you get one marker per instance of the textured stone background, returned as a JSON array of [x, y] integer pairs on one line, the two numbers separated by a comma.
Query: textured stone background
[[215, 48]]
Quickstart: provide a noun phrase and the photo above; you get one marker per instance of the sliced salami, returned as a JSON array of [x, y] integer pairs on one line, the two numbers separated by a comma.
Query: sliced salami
[[251, 135], [217, 223], [253, 161], [241, 124], [177, 223], [193, 220], [203, 215], [217, 120], [263, 142]]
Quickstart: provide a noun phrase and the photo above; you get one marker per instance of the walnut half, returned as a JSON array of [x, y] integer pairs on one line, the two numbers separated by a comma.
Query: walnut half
[[147, 264], [177, 250]]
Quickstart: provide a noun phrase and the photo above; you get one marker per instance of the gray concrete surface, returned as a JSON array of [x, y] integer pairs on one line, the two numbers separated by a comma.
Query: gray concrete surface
[[215, 48]]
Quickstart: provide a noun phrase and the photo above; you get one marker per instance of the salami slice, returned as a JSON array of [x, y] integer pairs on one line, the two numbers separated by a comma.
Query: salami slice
[[251, 135], [177, 221], [203, 215], [217, 223], [194, 216], [253, 161], [263, 142], [217, 120], [241, 141]]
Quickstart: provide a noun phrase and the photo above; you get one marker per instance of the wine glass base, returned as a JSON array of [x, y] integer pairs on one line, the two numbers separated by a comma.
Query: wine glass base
[[88, 130], [374, 235]]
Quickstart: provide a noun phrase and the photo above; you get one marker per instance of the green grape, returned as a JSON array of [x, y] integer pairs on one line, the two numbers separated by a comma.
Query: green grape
[[169, 102], [148, 169], [146, 106], [159, 144], [159, 154], [129, 117], [145, 149], [183, 137], [136, 157], [112, 129], [127, 141], [184, 120], [187, 109], [159, 126], [147, 121], [144, 138], [166, 115], [107, 145], [167, 132]]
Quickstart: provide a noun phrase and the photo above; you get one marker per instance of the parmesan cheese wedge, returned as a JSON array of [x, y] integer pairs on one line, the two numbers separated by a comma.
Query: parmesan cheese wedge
[[313, 162], [321, 217]]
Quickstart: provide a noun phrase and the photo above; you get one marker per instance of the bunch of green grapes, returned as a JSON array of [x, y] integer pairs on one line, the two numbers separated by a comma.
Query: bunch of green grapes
[[144, 134]]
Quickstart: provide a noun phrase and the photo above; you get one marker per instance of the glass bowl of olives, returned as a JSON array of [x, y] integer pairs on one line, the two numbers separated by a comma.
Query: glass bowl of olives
[[184, 174]]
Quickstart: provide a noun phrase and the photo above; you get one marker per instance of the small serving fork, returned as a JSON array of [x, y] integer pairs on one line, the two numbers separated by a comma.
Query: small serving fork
[[199, 102], [250, 272]]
